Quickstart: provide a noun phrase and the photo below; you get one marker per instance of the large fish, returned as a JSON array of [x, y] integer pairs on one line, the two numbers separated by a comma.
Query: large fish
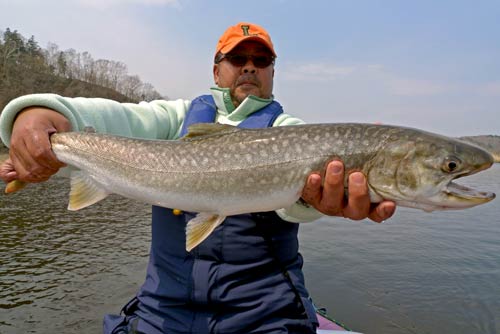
[[220, 170]]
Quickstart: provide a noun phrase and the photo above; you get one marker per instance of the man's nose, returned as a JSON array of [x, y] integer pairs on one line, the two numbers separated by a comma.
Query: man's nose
[[249, 67]]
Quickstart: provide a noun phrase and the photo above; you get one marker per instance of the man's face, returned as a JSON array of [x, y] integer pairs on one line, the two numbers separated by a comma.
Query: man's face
[[247, 79]]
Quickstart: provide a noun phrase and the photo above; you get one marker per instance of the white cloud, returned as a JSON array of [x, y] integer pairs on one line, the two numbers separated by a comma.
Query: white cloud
[[104, 4], [490, 88], [315, 71], [371, 74], [95, 3], [417, 87]]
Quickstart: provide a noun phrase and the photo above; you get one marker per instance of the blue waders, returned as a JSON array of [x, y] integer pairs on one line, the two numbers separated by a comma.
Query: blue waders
[[246, 277]]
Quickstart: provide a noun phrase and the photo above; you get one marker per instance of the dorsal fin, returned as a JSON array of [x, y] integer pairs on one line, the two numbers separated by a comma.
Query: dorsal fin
[[207, 129]]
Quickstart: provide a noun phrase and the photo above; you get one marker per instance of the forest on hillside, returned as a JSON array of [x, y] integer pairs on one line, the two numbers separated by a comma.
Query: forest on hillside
[[27, 68]]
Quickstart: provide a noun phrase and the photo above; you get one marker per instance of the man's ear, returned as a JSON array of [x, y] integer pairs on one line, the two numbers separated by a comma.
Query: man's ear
[[216, 74]]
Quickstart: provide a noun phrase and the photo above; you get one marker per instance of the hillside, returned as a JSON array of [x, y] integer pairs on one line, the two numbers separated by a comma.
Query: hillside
[[62, 86], [26, 68], [48, 83]]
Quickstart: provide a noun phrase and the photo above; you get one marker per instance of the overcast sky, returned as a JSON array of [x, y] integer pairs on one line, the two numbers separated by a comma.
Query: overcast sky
[[433, 64]]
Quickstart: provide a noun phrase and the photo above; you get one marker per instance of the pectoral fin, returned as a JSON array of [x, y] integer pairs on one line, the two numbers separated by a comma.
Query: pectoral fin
[[200, 227], [84, 191]]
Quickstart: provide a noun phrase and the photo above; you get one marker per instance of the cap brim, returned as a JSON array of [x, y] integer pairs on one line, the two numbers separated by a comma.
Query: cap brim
[[229, 47]]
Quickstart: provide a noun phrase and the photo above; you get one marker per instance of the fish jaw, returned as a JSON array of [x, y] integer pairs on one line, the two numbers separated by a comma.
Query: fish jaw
[[466, 197], [452, 196], [458, 196]]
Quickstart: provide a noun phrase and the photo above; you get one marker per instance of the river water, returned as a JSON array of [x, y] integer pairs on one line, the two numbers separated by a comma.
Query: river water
[[61, 271]]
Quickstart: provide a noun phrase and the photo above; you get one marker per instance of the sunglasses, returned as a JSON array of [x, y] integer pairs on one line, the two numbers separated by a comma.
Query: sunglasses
[[260, 61]]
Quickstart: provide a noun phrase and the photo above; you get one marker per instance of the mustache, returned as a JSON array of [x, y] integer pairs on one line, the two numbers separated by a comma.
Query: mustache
[[248, 78]]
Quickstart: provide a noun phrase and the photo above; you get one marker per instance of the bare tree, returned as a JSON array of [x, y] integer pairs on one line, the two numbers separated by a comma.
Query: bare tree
[[27, 68]]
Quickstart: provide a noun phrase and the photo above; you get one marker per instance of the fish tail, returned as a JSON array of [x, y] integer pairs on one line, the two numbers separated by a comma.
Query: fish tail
[[14, 186]]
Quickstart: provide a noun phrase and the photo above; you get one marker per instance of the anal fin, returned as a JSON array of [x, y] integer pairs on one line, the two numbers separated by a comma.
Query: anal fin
[[200, 227]]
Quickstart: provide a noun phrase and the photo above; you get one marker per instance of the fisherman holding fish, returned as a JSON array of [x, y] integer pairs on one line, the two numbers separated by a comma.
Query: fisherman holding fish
[[246, 277]]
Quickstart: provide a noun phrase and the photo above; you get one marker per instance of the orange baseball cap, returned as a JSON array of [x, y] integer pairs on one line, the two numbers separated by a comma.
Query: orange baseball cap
[[243, 32]]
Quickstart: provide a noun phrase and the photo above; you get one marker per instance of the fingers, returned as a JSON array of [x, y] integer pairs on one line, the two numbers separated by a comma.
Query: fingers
[[7, 171], [332, 200], [33, 159], [382, 211], [30, 151], [358, 205], [329, 197], [312, 189]]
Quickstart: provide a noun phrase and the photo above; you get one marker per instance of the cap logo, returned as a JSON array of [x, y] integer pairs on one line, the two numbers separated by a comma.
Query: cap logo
[[240, 32], [245, 29]]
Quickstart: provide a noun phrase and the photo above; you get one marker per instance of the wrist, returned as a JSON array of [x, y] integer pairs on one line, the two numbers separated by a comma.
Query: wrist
[[42, 115]]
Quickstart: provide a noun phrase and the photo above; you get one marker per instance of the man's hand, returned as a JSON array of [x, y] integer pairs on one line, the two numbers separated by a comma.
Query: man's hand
[[329, 198], [31, 157]]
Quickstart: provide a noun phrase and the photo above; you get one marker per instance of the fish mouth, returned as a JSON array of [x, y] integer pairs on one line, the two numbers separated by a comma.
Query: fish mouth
[[466, 194], [469, 195]]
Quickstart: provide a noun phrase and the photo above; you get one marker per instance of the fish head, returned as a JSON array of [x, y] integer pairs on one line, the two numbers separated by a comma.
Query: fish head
[[419, 173]]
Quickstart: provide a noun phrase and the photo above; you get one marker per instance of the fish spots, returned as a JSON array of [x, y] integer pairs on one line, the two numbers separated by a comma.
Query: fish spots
[[249, 157], [249, 181], [298, 148]]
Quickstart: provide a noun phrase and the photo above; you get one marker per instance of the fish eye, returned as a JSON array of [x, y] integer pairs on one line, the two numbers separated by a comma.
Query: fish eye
[[451, 164]]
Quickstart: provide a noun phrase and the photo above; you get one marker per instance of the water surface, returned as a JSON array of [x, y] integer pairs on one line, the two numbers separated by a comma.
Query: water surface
[[61, 271]]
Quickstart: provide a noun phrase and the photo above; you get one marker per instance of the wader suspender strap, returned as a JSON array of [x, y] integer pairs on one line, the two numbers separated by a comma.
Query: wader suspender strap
[[204, 110], [201, 110]]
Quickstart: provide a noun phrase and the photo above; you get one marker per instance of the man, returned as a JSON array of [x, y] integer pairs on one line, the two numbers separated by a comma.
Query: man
[[246, 277]]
